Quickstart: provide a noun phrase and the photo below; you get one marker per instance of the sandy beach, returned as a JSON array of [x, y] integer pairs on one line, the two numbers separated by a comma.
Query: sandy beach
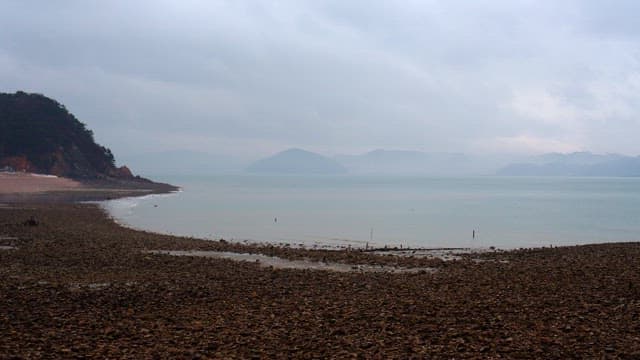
[[75, 284], [18, 182], [19, 187]]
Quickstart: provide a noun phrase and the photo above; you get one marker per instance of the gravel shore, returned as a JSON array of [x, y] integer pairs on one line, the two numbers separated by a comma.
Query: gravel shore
[[75, 284]]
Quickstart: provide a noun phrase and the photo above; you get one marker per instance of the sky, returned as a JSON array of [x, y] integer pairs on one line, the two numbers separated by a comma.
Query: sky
[[250, 78]]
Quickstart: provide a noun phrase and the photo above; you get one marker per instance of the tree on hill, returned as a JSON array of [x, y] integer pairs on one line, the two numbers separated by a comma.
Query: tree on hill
[[39, 134]]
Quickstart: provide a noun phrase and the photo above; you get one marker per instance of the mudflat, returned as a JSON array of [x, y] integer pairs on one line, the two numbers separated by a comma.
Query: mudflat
[[75, 284]]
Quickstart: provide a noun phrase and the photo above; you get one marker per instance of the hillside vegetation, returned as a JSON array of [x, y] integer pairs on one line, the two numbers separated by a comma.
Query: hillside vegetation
[[38, 134]]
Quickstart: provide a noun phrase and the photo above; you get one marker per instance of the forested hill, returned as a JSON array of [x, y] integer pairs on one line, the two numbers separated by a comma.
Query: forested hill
[[38, 134]]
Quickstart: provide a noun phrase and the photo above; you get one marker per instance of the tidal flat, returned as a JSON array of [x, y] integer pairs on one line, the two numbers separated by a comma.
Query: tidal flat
[[76, 284]]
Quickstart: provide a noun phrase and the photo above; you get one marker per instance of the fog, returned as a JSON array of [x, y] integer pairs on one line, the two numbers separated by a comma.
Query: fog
[[240, 80]]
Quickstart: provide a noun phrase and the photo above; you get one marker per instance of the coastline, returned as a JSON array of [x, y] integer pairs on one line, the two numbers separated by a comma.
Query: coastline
[[78, 284], [36, 188]]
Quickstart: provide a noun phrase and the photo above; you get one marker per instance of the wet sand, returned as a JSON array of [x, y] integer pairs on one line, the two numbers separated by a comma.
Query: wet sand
[[78, 285]]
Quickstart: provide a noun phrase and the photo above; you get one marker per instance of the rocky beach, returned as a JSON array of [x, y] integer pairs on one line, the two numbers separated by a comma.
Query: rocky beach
[[74, 284], [357, 180]]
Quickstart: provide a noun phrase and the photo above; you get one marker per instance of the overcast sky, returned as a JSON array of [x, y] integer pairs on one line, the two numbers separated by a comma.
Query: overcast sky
[[249, 78]]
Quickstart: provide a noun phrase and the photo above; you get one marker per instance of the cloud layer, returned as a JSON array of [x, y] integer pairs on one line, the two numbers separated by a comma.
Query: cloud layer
[[253, 77]]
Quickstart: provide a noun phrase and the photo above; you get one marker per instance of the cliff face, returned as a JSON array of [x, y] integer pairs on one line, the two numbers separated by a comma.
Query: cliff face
[[38, 134]]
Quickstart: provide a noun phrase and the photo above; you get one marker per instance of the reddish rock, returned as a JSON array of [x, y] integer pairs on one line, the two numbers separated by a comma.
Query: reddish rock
[[18, 163], [123, 172]]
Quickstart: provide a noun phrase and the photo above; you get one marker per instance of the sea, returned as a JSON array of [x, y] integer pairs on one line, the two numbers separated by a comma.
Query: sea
[[392, 211]]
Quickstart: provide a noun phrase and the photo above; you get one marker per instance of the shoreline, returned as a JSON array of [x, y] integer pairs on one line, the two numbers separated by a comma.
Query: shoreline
[[75, 283], [20, 187]]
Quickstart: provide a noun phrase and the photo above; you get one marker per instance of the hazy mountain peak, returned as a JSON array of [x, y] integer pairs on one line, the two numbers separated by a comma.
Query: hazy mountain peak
[[297, 151], [297, 161]]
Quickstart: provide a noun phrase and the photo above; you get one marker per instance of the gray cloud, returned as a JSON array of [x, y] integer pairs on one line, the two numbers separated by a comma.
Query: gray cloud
[[246, 77]]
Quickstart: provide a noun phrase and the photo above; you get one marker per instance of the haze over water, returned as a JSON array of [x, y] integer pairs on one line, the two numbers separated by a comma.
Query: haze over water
[[506, 212]]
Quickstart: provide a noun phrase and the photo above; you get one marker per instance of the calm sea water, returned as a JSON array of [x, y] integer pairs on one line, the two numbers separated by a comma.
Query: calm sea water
[[506, 212]]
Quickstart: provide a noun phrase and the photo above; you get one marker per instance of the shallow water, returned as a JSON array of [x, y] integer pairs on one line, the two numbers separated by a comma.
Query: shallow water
[[506, 212], [280, 263]]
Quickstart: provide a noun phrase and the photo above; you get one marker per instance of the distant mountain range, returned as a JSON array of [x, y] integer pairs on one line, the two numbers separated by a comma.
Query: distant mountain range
[[38, 134], [297, 161], [575, 164], [397, 162], [419, 163], [377, 162]]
